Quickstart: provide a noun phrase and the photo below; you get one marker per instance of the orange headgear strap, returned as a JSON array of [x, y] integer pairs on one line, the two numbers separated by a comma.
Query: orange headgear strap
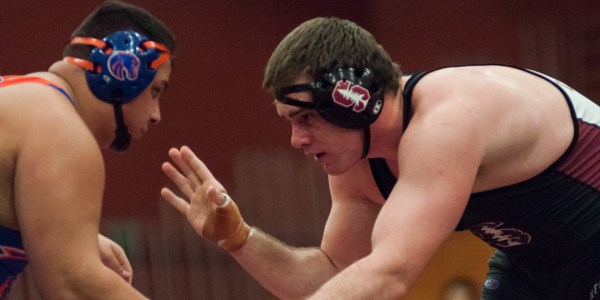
[[164, 56], [89, 41], [86, 64]]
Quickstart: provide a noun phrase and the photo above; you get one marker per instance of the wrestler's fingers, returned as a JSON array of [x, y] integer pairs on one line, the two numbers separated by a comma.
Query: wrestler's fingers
[[113, 256], [177, 202], [115, 264], [184, 166], [196, 164], [127, 270], [182, 182]]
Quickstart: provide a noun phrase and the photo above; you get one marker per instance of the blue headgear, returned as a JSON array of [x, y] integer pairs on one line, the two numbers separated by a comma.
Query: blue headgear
[[121, 65], [118, 69]]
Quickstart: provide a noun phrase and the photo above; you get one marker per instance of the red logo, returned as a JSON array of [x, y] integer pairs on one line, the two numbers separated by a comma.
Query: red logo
[[496, 234], [348, 94], [11, 253]]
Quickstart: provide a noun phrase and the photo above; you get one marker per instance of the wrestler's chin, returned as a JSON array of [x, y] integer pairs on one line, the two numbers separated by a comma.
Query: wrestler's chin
[[334, 169], [332, 166]]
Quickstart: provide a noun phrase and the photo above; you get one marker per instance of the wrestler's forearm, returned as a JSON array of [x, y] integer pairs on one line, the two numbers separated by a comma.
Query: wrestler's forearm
[[89, 281], [364, 280], [287, 272]]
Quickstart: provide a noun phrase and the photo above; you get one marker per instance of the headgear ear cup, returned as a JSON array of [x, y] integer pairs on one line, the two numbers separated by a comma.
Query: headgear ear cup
[[121, 65], [118, 69], [348, 97]]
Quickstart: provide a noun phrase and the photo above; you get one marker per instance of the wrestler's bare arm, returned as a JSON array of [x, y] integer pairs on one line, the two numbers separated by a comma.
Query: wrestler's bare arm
[[288, 272], [438, 160], [59, 181]]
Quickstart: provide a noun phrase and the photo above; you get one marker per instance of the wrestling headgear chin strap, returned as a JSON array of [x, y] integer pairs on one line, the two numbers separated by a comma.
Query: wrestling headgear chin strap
[[118, 69], [347, 97]]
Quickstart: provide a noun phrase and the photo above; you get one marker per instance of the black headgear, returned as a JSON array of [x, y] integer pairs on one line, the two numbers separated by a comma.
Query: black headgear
[[347, 97]]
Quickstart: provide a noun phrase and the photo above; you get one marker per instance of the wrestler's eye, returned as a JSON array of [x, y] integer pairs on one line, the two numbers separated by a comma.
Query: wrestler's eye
[[306, 117], [156, 92]]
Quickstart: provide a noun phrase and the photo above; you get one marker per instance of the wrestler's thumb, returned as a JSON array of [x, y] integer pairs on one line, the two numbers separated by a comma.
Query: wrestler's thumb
[[215, 196]]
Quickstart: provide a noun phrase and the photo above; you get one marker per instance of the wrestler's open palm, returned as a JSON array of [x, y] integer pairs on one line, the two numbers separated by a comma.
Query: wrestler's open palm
[[196, 183]]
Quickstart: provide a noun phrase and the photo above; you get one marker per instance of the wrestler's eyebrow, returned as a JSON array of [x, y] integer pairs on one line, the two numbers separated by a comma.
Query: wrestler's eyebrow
[[164, 84], [293, 114]]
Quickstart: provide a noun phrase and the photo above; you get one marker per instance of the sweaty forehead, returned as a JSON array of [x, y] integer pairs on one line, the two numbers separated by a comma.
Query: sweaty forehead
[[302, 96], [286, 110], [302, 78], [299, 79], [165, 69], [163, 72]]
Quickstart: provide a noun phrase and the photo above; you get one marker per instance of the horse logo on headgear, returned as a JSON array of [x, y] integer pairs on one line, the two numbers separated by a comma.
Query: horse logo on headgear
[[123, 65]]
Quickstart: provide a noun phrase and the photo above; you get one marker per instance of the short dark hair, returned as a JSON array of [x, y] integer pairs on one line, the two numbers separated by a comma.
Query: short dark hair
[[114, 15], [322, 44]]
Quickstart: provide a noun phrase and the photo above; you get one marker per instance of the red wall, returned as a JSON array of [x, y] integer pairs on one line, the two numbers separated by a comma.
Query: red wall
[[215, 103]]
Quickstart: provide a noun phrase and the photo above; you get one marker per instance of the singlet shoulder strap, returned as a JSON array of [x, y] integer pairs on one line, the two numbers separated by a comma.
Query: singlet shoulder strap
[[13, 79], [407, 96], [384, 178]]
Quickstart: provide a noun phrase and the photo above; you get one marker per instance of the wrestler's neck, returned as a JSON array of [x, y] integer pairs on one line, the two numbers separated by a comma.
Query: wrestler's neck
[[95, 113]]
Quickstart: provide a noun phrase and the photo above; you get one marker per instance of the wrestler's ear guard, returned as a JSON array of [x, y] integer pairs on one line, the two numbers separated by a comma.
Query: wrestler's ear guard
[[348, 97], [121, 65]]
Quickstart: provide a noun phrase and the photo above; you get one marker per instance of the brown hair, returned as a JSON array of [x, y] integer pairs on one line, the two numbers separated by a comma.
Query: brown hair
[[322, 44], [112, 16]]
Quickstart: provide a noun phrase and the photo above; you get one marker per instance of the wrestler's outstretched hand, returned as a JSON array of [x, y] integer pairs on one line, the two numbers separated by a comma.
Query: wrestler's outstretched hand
[[208, 208]]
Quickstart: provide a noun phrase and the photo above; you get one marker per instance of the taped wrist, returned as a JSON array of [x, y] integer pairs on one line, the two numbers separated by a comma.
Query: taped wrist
[[225, 226]]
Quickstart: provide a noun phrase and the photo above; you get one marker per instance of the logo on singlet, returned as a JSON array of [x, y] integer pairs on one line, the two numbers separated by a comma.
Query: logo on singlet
[[496, 235], [595, 290]]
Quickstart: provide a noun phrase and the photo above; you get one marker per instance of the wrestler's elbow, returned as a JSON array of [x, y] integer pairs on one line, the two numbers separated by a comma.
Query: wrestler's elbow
[[392, 278]]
